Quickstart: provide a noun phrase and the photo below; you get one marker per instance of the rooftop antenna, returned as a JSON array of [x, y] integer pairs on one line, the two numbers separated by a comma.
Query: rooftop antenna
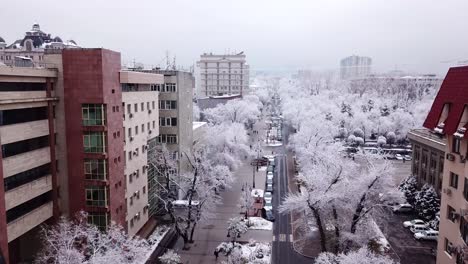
[[167, 60], [174, 64]]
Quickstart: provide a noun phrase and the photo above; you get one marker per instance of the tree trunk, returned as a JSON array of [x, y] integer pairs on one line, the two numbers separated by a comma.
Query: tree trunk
[[318, 220], [192, 231], [360, 207], [337, 230]]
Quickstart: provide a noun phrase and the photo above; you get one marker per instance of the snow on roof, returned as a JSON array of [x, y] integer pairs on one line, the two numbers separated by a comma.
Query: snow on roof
[[196, 125], [184, 202], [257, 193], [224, 96]]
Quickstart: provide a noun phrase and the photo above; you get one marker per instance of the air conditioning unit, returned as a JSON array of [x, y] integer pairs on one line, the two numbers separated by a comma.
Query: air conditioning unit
[[145, 147], [130, 115], [131, 138], [149, 132], [447, 191], [135, 153], [147, 166], [149, 111], [450, 156]]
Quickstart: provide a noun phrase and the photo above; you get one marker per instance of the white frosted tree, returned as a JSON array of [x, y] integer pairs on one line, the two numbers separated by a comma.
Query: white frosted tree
[[76, 241], [170, 257], [361, 256]]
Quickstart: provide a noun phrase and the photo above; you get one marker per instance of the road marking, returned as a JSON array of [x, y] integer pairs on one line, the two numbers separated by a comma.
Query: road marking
[[273, 238], [282, 237], [291, 238]]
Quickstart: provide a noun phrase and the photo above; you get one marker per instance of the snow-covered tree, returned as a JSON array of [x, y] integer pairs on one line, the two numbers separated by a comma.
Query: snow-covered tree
[[246, 200], [409, 187], [361, 256], [427, 202], [381, 140], [391, 137], [170, 257], [236, 227], [77, 241]]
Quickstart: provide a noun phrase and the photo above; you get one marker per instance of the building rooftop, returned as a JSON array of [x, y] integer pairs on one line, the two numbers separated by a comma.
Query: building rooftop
[[454, 93], [196, 125], [427, 137]]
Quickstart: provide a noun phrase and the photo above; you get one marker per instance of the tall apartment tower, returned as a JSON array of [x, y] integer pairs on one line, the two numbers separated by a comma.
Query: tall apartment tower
[[353, 67], [448, 118], [222, 75], [175, 121], [28, 174]]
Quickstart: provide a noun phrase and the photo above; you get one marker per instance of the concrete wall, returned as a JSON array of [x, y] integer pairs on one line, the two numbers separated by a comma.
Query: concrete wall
[[22, 131], [27, 191], [140, 77], [30, 220], [25, 161]]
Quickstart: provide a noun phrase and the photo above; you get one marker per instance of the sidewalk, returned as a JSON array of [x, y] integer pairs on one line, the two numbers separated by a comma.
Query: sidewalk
[[210, 234]]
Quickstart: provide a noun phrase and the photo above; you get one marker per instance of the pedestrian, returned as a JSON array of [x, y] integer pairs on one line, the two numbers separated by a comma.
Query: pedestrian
[[216, 253]]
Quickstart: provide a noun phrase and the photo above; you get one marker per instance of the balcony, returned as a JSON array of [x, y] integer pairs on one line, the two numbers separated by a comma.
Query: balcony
[[22, 131], [28, 221], [27, 191], [25, 161]]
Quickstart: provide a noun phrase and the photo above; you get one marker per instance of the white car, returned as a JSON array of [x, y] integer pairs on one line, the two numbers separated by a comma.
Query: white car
[[419, 228], [270, 175], [427, 235], [402, 208], [268, 206], [399, 157], [414, 222], [268, 197], [407, 157]]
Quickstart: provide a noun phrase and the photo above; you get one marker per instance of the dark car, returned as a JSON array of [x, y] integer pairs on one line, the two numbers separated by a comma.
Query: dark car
[[269, 216]]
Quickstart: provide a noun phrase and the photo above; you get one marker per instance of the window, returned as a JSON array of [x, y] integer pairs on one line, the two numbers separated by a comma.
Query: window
[[453, 180], [464, 229], [167, 121], [96, 196], [164, 88], [154, 124], [448, 246], [136, 130], [167, 138], [129, 132], [21, 87], [465, 189], [129, 108], [16, 116], [94, 142], [27, 207], [142, 128], [130, 155], [93, 114], [23, 146], [451, 213], [136, 107], [153, 104], [98, 219], [456, 145], [167, 104], [144, 189], [26, 176], [95, 169], [148, 105], [142, 107]]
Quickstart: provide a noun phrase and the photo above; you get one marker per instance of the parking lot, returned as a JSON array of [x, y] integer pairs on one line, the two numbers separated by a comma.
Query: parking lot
[[407, 249]]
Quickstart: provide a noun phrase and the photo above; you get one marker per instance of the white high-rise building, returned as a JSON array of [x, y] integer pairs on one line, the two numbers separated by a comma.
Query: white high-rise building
[[353, 67], [222, 75]]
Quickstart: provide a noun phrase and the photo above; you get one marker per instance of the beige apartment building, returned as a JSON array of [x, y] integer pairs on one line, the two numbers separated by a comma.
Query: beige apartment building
[[449, 117], [428, 157], [141, 125], [28, 193], [222, 74]]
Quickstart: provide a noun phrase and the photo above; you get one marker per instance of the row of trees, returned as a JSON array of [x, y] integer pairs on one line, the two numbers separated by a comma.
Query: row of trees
[[426, 201], [342, 196]]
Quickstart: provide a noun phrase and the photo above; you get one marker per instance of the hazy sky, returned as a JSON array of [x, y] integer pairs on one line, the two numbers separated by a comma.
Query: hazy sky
[[416, 35]]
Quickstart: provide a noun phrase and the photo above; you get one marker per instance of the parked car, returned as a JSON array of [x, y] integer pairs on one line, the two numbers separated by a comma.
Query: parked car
[[427, 235], [271, 162], [398, 156], [414, 222], [407, 157], [270, 175], [268, 206], [270, 216], [269, 188], [402, 208], [269, 181], [268, 197], [270, 168], [419, 228]]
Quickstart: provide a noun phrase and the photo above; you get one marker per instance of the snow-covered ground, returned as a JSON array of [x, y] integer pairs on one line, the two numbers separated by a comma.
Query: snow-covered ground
[[258, 223], [155, 238], [251, 252], [274, 143], [263, 168]]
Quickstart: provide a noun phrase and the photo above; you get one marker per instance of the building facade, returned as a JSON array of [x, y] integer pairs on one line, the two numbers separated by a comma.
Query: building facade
[[428, 157], [30, 49], [29, 192], [141, 126], [449, 117], [222, 74], [353, 67]]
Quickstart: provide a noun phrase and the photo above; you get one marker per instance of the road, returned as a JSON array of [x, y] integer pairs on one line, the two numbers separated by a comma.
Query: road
[[283, 251]]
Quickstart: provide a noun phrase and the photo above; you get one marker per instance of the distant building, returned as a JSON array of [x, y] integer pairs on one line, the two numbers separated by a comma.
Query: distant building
[[213, 101], [226, 74], [353, 67], [30, 49], [428, 157], [448, 117]]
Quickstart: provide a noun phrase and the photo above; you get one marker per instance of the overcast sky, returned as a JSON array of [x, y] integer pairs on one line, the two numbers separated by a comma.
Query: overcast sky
[[424, 36]]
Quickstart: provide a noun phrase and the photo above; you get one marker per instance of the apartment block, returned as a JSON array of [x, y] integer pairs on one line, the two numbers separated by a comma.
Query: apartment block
[[428, 157], [175, 122], [355, 67], [28, 193], [141, 126], [449, 117], [226, 74]]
